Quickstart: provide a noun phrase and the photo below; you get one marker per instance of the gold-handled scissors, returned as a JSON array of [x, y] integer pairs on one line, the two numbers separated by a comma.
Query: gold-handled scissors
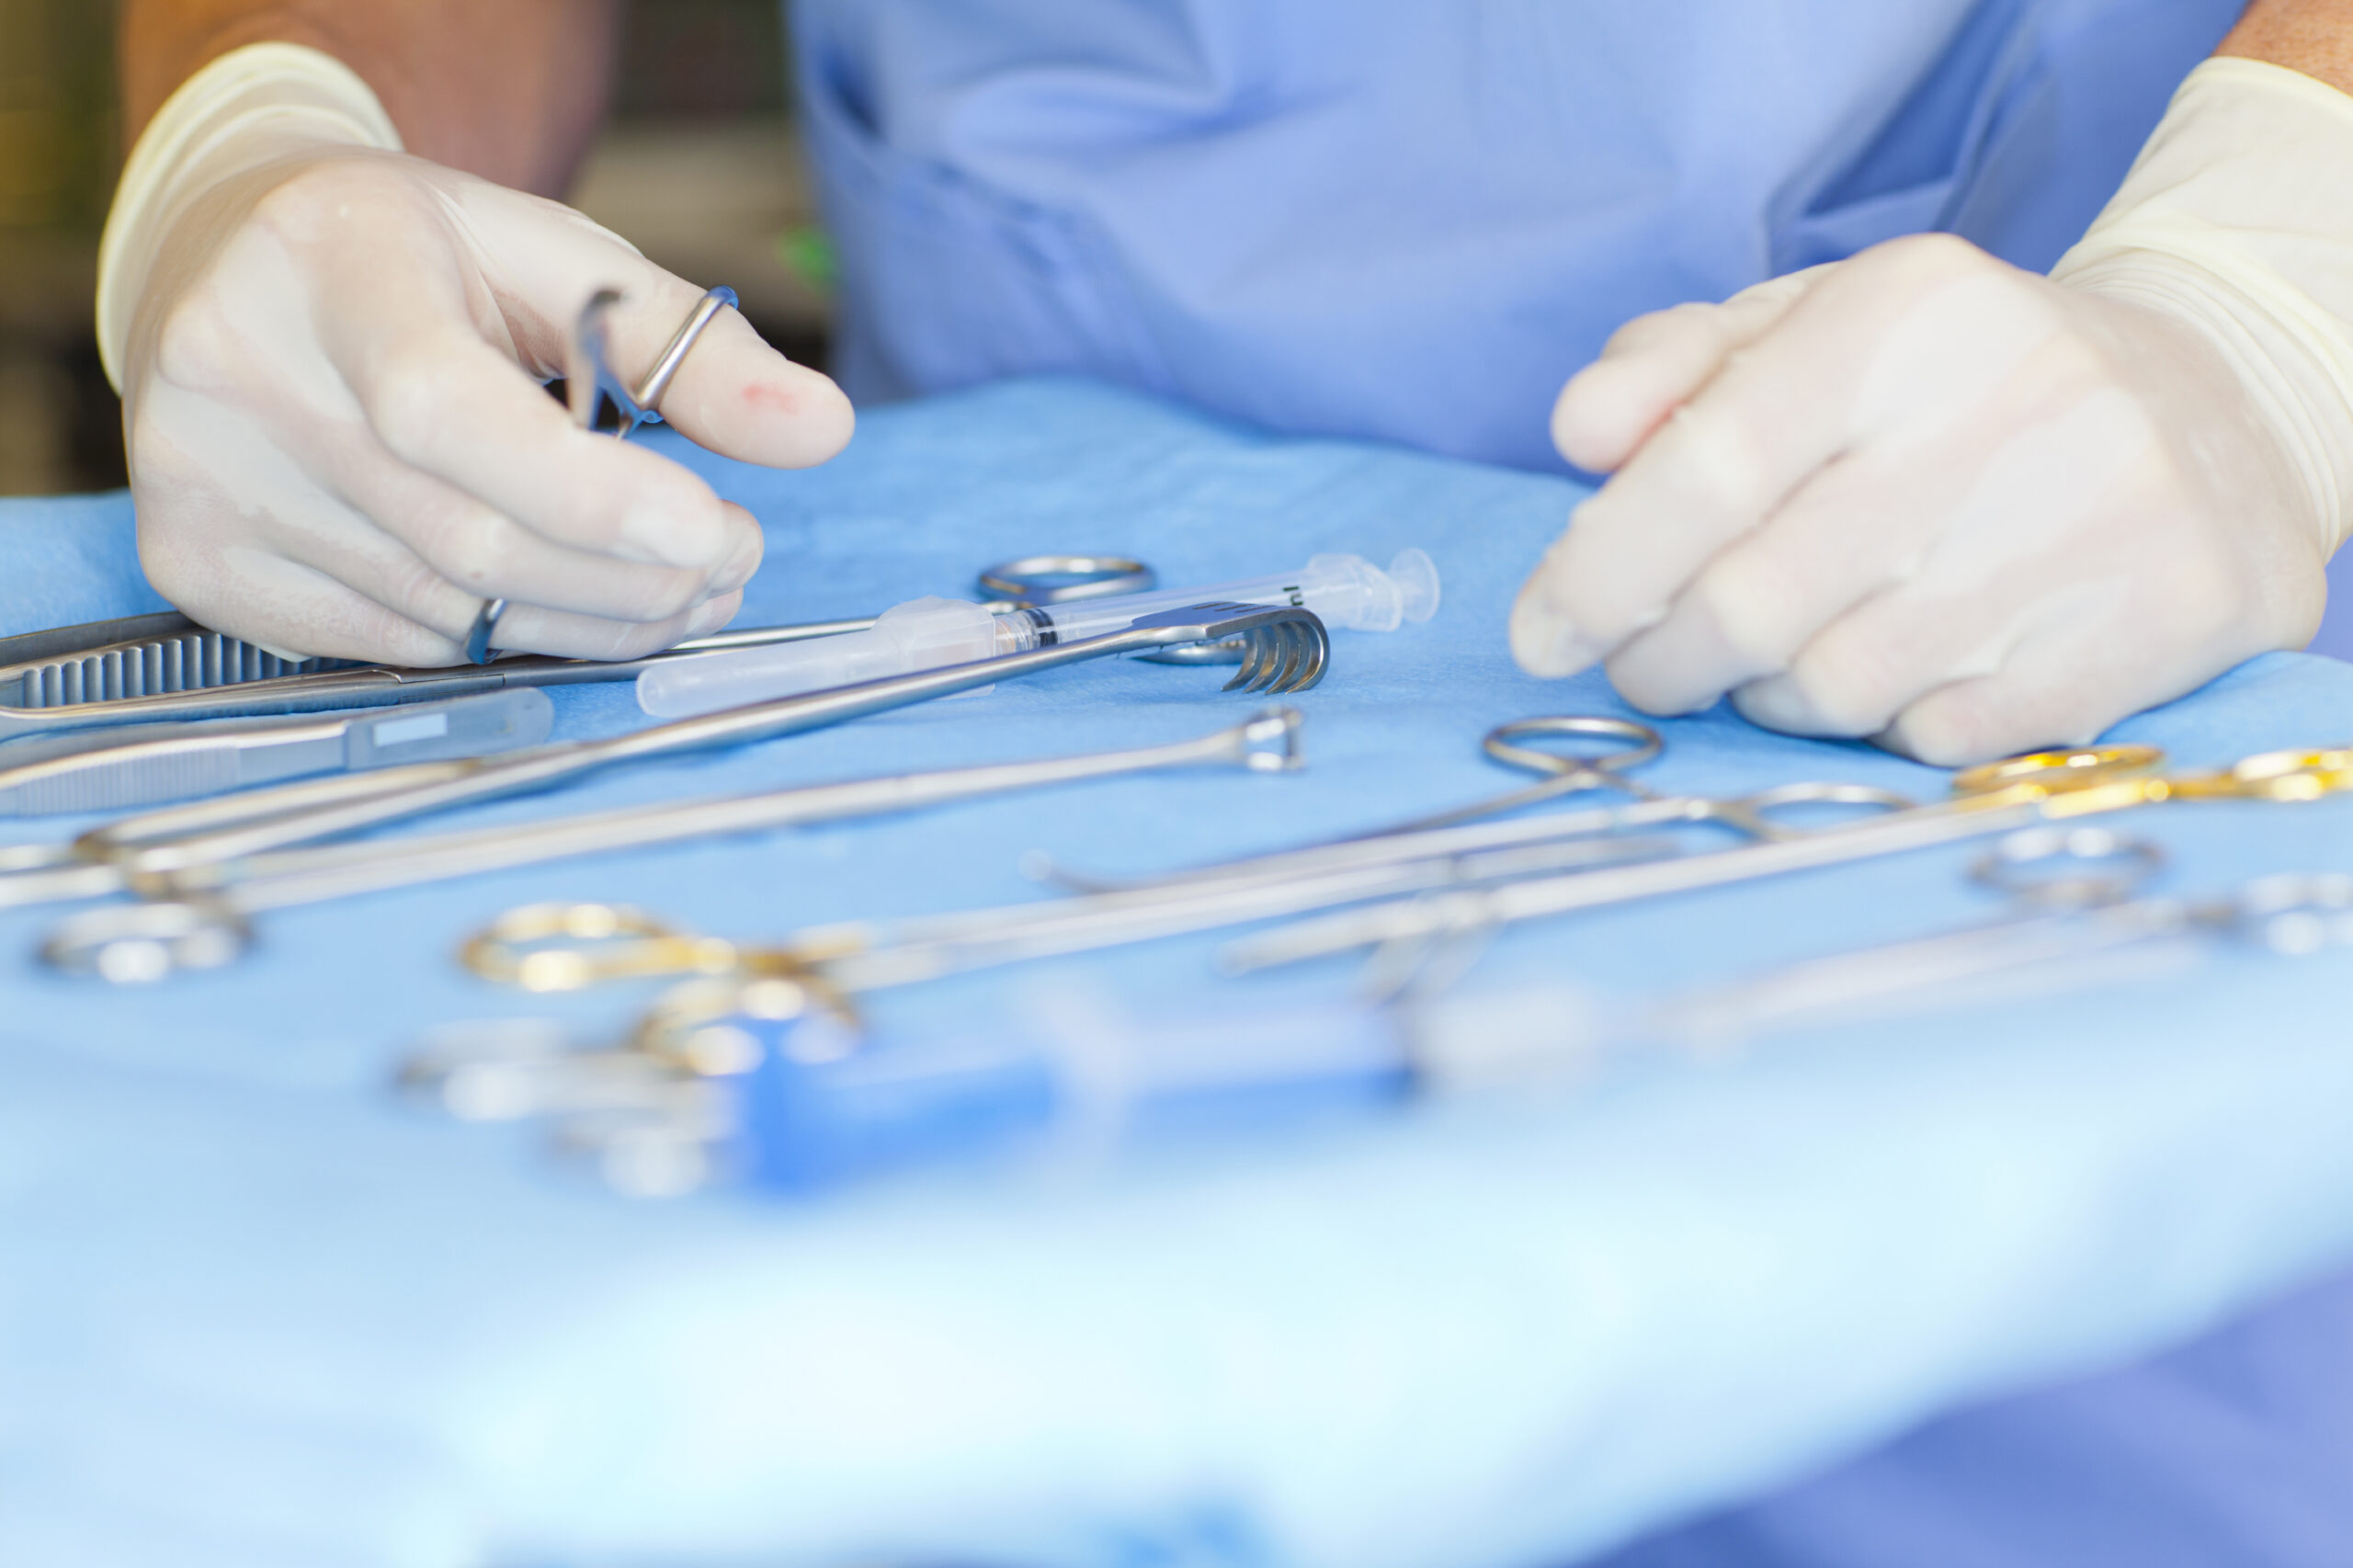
[[2050, 786], [1460, 878]]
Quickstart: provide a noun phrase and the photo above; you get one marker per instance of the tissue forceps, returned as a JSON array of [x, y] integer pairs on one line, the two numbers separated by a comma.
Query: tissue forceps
[[1464, 830], [2070, 891], [1289, 651], [2077, 915], [157, 667], [153, 857], [204, 924], [2053, 786]]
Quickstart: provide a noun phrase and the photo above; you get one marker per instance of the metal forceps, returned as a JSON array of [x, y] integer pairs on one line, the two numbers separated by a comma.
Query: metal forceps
[[143, 669], [203, 920], [2055, 786], [1561, 773], [1462, 831], [1290, 651], [750, 1070], [566, 947], [2078, 915], [1568, 774], [593, 388]]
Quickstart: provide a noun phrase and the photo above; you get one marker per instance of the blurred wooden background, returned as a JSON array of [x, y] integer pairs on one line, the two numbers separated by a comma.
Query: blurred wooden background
[[700, 168]]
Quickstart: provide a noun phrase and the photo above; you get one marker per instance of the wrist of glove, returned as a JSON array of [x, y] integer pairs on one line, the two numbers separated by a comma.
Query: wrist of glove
[[330, 355], [1925, 497]]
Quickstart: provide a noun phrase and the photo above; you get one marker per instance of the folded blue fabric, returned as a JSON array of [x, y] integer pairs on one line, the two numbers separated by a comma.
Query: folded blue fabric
[[254, 1311]]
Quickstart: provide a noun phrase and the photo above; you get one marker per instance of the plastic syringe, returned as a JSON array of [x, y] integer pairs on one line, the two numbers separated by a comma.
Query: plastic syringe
[[1346, 591]]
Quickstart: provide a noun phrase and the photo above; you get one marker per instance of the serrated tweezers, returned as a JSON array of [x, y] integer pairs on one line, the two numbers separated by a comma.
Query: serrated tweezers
[[148, 667]]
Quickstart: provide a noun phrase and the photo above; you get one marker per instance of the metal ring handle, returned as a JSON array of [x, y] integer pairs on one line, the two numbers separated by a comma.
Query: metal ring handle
[[2297, 913], [2060, 867], [649, 391], [1029, 579], [485, 627], [2285, 776], [2076, 768], [137, 944], [634, 405], [593, 381], [1752, 814], [1819, 793], [610, 941], [691, 1026], [1646, 745]]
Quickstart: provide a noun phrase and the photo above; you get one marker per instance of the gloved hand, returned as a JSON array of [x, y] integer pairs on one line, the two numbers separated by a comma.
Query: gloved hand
[[329, 355], [1923, 496]]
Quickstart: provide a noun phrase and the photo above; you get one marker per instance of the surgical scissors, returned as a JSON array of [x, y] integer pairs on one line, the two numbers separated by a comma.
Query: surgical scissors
[[865, 956], [2054, 786], [761, 1065], [600, 400], [1464, 830], [566, 947]]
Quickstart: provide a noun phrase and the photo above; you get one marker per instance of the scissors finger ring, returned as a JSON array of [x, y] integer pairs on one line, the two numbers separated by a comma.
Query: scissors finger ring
[[594, 387], [1061, 579], [2068, 868], [137, 944], [478, 648], [1644, 744]]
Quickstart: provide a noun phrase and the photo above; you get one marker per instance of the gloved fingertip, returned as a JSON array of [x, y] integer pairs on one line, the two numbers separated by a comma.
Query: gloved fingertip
[[1544, 640], [1606, 412], [767, 411], [1774, 705], [751, 546], [826, 422], [713, 615]]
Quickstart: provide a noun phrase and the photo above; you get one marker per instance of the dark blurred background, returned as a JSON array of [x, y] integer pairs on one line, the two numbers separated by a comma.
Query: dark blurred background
[[700, 168]]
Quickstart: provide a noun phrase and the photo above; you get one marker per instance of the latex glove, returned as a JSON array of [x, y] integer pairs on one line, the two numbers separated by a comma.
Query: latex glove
[[1925, 497], [330, 355]]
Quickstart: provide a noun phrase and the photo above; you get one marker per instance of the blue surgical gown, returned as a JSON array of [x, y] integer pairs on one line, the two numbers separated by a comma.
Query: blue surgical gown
[[1411, 220]]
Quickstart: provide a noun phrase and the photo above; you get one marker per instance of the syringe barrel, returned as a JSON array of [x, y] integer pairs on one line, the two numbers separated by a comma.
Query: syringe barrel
[[1345, 591], [810, 1120], [921, 634]]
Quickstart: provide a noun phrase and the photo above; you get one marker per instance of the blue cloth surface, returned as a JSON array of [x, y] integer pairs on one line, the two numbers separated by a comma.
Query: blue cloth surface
[[1412, 221], [255, 1312]]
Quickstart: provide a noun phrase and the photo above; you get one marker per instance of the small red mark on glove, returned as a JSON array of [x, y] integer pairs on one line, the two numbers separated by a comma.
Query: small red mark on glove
[[775, 399]]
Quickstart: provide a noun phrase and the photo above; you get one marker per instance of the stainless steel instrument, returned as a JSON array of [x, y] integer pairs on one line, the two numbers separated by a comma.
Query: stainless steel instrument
[[209, 923], [158, 668], [147, 764]]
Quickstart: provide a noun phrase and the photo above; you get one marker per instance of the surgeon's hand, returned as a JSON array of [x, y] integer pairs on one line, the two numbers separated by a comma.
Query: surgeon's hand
[[1925, 497], [338, 443]]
